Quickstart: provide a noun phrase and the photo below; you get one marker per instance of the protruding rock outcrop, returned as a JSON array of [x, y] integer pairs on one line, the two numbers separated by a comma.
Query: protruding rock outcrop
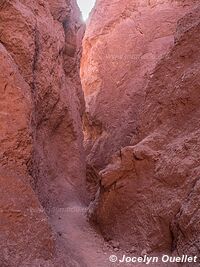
[[149, 194]]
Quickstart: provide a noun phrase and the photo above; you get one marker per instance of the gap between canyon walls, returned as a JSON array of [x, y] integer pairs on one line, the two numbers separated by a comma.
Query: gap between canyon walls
[[139, 125], [42, 163]]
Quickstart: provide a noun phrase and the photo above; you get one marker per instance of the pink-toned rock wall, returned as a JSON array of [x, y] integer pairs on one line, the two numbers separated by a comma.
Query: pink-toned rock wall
[[124, 40], [41, 104], [149, 194]]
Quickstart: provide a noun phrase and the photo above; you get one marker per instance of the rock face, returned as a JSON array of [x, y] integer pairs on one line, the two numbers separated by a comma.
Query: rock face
[[149, 193], [25, 234], [140, 73], [123, 42], [41, 105]]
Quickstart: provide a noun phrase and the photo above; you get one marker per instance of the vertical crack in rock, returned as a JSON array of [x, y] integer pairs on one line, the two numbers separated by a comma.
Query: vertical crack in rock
[[35, 57]]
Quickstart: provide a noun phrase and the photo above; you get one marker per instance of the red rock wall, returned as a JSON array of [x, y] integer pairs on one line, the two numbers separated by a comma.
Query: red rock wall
[[41, 105], [149, 194], [140, 74], [124, 41]]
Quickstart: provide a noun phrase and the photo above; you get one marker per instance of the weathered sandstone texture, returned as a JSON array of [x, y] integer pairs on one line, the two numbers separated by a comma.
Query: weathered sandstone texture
[[149, 194], [123, 42], [41, 104]]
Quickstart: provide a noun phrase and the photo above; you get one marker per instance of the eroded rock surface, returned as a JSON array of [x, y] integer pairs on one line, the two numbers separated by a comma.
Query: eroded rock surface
[[149, 193], [41, 104], [124, 40], [140, 73]]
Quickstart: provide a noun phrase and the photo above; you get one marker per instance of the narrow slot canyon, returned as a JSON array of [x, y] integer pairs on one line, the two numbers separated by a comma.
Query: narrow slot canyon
[[99, 133]]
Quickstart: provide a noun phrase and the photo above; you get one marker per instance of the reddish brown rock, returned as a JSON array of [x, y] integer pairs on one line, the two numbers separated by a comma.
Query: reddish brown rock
[[41, 105], [149, 194], [15, 115], [25, 234], [123, 42], [148, 200]]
